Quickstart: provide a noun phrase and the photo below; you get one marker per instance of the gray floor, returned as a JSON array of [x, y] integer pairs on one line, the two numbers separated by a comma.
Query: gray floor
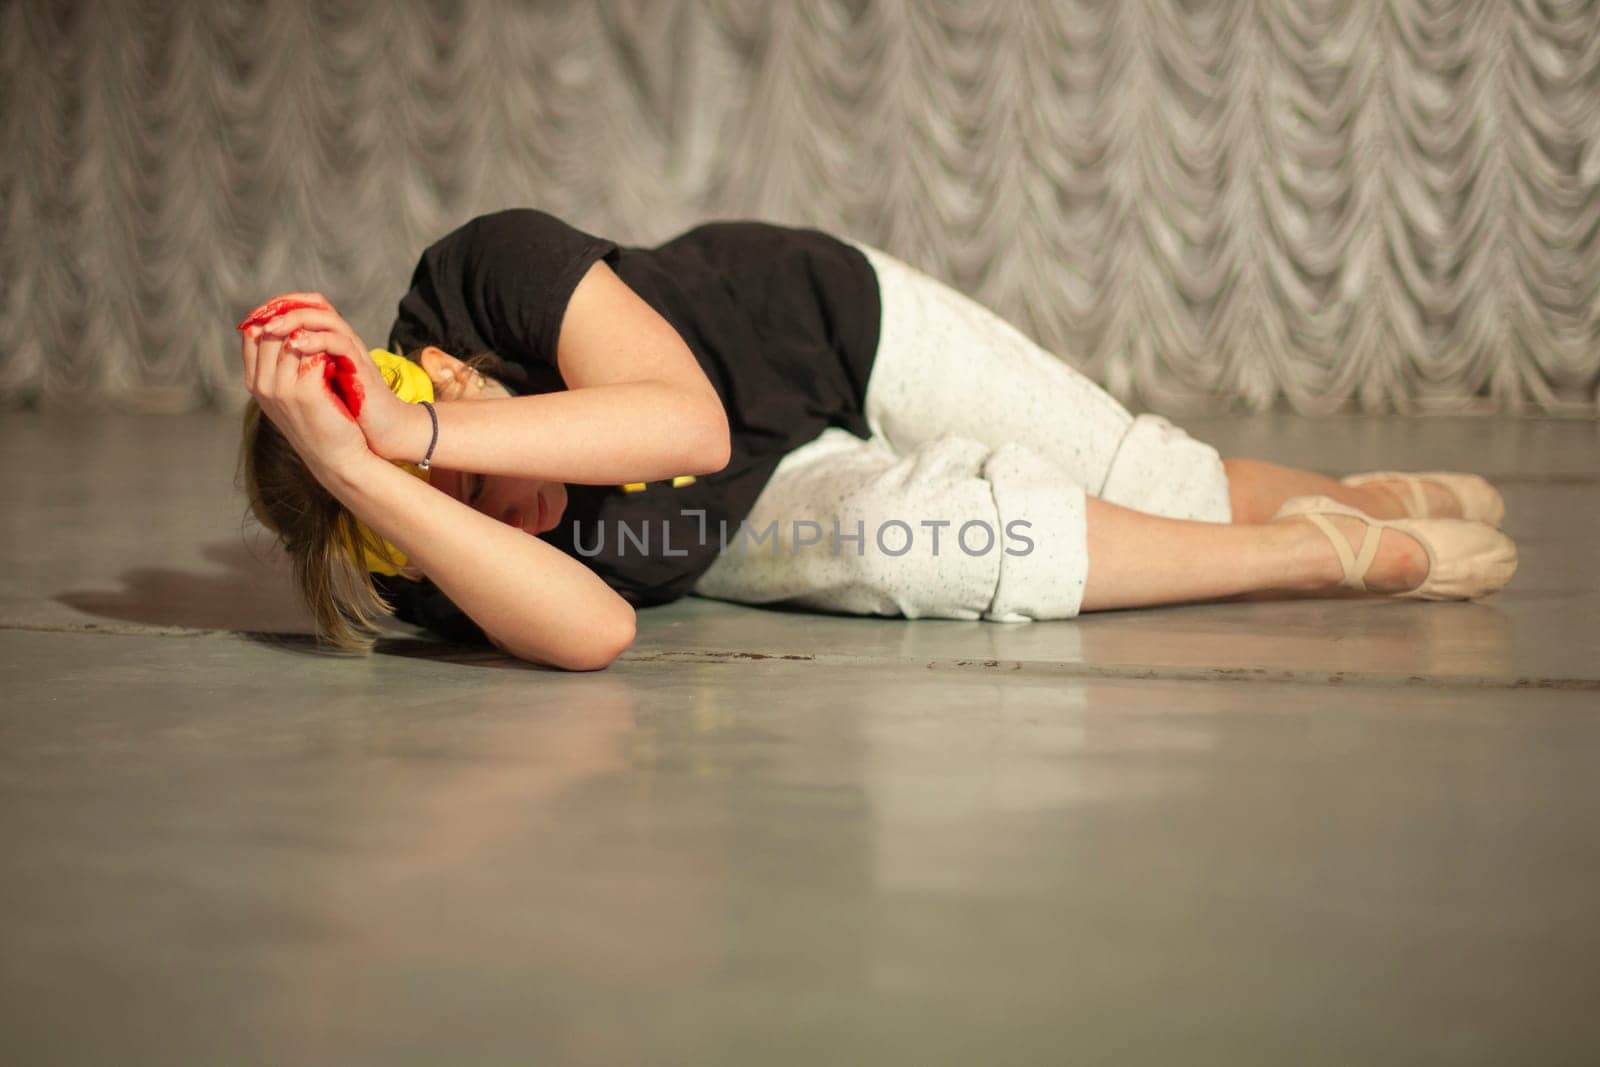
[[1289, 833]]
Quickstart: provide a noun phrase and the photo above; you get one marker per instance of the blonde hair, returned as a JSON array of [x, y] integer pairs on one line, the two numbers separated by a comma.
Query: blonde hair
[[319, 534]]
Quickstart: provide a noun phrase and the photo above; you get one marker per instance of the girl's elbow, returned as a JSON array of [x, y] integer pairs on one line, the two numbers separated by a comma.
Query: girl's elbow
[[605, 647], [600, 647], [716, 445], [716, 455], [703, 438]]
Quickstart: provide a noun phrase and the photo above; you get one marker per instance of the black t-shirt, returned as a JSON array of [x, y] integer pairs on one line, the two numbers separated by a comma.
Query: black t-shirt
[[783, 321]]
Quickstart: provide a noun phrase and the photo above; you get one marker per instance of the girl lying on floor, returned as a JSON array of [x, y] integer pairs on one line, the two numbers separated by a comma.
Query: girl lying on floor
[[766, 415]]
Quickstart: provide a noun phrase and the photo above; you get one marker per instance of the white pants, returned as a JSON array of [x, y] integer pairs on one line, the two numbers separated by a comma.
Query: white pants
[[968, 501]]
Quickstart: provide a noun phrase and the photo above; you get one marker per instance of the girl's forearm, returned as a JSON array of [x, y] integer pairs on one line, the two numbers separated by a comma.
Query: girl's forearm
[[599, 435], [531, 599]]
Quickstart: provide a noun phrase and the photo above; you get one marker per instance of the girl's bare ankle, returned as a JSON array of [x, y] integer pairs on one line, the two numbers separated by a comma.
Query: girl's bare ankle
[[1315, 566]]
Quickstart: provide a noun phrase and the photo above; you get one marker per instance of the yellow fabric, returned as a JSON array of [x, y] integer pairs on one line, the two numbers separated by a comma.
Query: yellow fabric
[[678, 482], [410, 383]]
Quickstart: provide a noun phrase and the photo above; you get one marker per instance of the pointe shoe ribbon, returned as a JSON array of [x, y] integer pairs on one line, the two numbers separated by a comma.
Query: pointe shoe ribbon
[[1466, 559], [1480, 501]]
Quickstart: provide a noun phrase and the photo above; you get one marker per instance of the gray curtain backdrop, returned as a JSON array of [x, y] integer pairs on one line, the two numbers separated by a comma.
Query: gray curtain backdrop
[[1323, 204]]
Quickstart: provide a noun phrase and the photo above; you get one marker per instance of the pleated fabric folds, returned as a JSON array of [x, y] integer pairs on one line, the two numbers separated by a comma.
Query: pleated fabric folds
[[1319, 205]]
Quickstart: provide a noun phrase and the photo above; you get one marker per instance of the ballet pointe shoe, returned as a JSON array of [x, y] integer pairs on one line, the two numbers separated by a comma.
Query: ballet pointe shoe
[[1466, 559], [1480, 501]]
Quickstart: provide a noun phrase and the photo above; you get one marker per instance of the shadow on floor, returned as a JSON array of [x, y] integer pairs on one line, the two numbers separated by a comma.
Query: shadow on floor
[[248, 592]]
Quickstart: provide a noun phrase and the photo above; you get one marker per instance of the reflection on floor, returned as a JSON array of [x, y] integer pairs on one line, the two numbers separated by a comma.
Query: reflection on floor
[[1325, 832]]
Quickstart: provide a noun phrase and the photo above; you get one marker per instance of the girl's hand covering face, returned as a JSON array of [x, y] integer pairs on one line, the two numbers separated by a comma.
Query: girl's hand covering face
[[305, 327], [312, 387]]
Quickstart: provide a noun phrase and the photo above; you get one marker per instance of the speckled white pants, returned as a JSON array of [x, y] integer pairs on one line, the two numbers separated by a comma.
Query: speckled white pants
[[968, 501]]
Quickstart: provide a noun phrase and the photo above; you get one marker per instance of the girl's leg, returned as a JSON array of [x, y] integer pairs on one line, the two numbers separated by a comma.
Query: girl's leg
[[1257, 490], [948, 365], [1139, 560], [959, 531], [846, 525]]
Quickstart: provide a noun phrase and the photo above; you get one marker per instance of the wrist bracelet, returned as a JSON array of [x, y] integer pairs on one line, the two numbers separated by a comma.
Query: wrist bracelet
[[427, 460]]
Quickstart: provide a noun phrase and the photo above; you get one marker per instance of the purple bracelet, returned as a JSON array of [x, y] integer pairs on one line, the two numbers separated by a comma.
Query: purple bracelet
[[427, 460]]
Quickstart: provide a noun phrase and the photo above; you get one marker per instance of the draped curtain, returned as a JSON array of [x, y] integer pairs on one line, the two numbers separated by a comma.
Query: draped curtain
[[1318, 205]]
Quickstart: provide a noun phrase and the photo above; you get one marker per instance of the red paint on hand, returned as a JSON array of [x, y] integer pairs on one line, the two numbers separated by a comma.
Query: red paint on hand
[[273, 308], [340, 374]]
